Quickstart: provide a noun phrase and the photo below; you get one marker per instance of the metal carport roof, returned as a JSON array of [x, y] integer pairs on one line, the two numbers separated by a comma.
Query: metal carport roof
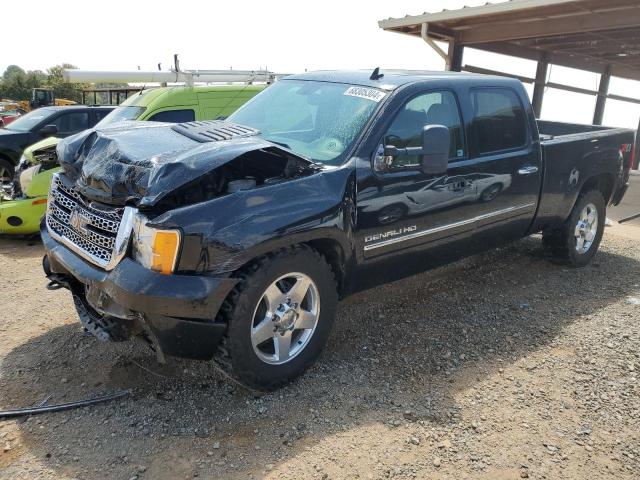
[[586, 34], [592, 35]]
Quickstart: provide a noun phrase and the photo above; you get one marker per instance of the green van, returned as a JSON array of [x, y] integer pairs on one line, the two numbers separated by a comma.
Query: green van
[[21, 212], [183, 104]]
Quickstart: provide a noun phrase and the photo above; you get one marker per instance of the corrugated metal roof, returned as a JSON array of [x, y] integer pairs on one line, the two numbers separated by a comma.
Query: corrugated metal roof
[[592, 35], [489, 8]]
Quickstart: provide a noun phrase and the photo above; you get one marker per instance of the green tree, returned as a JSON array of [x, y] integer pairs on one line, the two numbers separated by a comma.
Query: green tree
[[16, 84], [62, 89], [12, 71]]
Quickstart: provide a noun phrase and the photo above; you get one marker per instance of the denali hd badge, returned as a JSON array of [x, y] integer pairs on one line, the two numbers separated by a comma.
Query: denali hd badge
[[390, 234], [79, 221]]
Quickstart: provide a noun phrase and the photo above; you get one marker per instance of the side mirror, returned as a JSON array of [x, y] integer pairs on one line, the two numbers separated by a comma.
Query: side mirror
[[49, 130], [436, 143]]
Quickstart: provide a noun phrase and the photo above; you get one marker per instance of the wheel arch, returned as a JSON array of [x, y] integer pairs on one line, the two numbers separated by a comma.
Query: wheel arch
[[4, 155], [333, 253], [330, 249], [603, 182]]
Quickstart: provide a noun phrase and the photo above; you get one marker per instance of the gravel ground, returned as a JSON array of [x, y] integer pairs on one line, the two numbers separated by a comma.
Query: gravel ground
[[501, 366]]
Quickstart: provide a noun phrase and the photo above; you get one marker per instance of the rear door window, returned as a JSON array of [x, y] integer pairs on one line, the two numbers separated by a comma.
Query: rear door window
[[174, 116], [499, 121]]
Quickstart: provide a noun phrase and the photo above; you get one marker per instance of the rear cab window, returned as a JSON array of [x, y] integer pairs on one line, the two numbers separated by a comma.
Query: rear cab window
[[499, 122]]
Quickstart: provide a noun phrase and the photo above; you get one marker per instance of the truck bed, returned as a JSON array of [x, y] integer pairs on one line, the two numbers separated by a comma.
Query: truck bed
[[549, 130], [573, 151]]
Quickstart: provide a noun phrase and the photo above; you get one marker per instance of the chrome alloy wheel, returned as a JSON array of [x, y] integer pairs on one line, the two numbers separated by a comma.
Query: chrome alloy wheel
[[586, 229], [285, 318]]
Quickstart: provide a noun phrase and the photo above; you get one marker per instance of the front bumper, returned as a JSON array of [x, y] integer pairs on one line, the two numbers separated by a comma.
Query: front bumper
[[178, 309]]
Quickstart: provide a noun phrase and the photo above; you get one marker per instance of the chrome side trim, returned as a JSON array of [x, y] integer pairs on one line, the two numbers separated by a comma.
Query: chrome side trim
[[442, 228]]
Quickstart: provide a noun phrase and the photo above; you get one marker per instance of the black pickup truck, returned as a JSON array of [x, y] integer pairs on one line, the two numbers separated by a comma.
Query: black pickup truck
[[246, 232]]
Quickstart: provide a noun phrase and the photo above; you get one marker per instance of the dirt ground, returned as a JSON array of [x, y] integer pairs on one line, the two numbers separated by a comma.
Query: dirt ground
[[501, 366]]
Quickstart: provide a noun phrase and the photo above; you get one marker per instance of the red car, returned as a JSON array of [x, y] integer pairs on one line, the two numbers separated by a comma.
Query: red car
[[8, 116]]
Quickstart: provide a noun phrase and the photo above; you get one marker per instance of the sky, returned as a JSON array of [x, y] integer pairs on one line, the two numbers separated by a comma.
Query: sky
[[284, 36]]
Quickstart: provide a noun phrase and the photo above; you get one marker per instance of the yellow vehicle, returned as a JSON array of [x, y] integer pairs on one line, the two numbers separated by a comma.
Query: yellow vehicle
[[40, 97]]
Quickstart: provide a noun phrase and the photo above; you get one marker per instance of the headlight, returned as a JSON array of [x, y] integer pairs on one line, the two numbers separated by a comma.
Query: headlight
[[154, 248], [27, 176]]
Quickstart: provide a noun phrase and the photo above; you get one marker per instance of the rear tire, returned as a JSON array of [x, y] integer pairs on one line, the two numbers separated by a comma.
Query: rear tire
[[577, 241], [280, 316]]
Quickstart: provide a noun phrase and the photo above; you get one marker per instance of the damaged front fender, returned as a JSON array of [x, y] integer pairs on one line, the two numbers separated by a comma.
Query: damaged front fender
[[223, 234]]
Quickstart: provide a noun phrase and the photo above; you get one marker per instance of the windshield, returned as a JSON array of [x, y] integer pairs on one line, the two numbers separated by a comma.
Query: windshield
[[26, 122], [318, 120], [121, 114]]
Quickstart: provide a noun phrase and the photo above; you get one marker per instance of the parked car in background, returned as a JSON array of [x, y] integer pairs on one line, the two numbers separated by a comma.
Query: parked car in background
[[8, 116], [38, 124], [248, 231]]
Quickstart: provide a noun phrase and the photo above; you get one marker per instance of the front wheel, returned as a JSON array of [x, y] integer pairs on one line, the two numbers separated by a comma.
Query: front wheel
[[577, 241], [280, 316]]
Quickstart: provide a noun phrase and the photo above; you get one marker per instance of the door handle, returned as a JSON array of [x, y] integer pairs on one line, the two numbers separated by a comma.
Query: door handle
[[528, 170]]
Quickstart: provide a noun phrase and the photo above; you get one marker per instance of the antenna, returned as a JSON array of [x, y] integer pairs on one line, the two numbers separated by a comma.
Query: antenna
[[376, 75]]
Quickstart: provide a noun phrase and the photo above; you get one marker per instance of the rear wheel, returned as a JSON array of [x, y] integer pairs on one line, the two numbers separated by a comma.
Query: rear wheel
[[280, 316], [577, 241]]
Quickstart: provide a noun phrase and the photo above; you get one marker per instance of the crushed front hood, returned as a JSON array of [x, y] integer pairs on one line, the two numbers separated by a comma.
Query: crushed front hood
[[141, 162]]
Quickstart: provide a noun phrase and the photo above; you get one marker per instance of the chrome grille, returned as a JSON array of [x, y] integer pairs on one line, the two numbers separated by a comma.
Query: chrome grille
[[89, 231]]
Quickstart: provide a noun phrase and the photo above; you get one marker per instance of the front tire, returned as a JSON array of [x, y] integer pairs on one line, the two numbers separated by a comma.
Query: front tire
[[577, 241], [280, 316]]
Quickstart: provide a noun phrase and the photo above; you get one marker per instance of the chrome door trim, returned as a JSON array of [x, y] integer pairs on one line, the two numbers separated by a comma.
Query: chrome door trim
[[449, 226]]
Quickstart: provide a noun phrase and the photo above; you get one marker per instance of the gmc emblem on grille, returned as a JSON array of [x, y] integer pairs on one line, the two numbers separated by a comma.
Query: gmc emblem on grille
[[79, 221]]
